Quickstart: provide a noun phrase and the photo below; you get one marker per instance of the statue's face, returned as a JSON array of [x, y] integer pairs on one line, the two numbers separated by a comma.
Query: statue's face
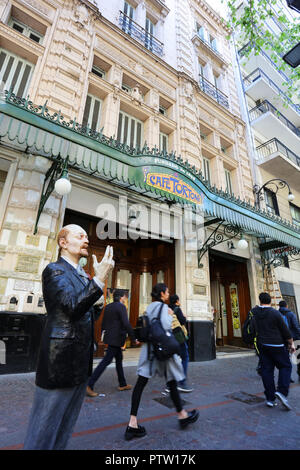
[[76, 242]]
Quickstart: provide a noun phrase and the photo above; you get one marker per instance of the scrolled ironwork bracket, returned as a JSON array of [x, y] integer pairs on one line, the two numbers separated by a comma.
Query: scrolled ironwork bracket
[[229, 232], [51, 176]]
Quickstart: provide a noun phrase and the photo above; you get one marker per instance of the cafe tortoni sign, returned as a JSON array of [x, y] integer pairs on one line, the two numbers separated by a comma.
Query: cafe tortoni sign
[[173, 184]]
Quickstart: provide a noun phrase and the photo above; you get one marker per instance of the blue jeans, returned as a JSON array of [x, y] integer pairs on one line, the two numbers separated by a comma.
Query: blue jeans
[[112, 352], [271, 357], [184, 354]]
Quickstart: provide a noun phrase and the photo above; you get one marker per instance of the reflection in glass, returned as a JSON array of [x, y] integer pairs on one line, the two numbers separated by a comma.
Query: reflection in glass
[[145, 292]]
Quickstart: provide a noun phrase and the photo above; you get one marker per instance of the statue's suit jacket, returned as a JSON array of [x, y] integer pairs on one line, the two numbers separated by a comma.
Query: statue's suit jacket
[[66, 350]]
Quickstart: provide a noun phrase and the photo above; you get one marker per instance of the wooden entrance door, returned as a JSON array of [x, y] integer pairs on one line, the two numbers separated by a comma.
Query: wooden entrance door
[[230, 298]]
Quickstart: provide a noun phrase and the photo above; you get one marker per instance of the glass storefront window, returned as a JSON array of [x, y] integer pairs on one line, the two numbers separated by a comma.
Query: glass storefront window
[[235, 310], [124, 282], [160, 277]]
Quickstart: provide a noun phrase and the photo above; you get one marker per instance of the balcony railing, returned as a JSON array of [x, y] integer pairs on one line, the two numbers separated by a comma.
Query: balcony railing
[[273, 146], [213, 91], [265, 107], [258, 73], [140, 34], [248, 46], [211, 46]]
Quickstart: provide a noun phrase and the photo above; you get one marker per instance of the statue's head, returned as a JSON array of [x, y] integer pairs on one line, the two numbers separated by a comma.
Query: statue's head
[[73, 241]]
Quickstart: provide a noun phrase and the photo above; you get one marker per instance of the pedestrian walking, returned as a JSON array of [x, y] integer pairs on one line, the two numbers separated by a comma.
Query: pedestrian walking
[[175, 305], [275, 342], [115, 325], [293, 325], [171, 369], [66, 352]]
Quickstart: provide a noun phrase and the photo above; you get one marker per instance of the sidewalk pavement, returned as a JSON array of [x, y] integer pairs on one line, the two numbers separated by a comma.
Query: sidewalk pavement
[[227, 392]]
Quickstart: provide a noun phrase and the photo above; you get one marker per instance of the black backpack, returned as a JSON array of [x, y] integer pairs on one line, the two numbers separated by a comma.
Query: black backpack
[[249, 332], [163, 344]]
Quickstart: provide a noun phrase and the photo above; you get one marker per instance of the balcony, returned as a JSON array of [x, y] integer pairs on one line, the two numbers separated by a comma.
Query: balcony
[[263, 62], [134, 30], [199, 41], [258, 85], [269, 122], [213, 92], [274, 154]]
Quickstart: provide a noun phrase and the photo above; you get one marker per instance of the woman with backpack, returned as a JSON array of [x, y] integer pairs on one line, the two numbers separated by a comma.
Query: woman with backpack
[[149, 366]]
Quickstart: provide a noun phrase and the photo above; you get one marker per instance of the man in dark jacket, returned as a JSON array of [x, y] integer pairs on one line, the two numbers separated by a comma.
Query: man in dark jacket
[[274, 341], [292, 323], [115, 325], [66, 351]]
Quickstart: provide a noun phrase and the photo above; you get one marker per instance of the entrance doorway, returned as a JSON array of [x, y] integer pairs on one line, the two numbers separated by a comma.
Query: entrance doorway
[[230, 297], [139, 264]]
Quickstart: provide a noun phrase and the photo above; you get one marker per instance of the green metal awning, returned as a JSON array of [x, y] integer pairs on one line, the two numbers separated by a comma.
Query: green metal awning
[[31, 129]]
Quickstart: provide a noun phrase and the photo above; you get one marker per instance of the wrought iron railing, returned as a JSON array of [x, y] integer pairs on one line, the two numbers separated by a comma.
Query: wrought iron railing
[[213, 91], [273, 146], [133, 29], [265, 107], [211, 46], [248, 47], [258, 73]]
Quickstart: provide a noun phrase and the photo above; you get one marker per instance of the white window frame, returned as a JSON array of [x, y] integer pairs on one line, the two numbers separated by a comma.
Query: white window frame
[[294, 209], [206, 168], [125, 134], [10, 75], [163, 147], [27, 31], [228, 181], [129, 11], [88, 121], [98, 71], [150, 32]]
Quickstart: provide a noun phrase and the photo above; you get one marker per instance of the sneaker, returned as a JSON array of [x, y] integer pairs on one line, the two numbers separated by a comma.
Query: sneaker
[[283, 400], [184, 388], [126, 387], [167, 390], [271, 404], [130, 433]]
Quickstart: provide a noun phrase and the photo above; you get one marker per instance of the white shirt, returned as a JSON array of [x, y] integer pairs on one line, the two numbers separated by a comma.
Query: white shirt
[[100, 284]]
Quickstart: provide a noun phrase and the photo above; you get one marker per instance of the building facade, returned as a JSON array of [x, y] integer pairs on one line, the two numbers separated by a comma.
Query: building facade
[[274, 123], [139, 102]]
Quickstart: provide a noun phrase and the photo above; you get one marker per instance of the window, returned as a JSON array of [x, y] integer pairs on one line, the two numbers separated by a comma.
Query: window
[[163, 142], [126, 88], [130, 130], [127, 23], [271, 202], [25, 30], [206, 169], [91, 115], [295, 211], [162, 110], [3, 175], [200, 31], [213, 43], [149, 34], [228, 182], [97, 71], [15, 73]]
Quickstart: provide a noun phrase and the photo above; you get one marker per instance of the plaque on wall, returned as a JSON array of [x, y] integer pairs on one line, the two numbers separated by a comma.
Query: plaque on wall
[[32, 240], [28, 264], [199, 290]]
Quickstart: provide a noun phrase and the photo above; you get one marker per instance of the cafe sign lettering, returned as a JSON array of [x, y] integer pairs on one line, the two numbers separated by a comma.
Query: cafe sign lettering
[[172, 184]]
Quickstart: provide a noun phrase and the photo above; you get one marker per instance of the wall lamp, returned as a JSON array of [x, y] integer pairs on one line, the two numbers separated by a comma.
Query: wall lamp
[[278, 184]]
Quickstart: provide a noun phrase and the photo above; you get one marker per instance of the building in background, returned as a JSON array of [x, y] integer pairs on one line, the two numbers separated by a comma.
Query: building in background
[[139, 100], [274, 134]]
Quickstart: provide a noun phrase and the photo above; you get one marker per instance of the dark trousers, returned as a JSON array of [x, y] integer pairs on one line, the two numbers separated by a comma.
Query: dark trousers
[[138, 390], [112, 352], [184, 354], [271, 357]]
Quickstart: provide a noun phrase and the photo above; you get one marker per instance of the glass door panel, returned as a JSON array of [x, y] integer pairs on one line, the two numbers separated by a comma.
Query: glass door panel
[[223, 310], [160, 277], [145, 292], [124, 282], [235, 310]]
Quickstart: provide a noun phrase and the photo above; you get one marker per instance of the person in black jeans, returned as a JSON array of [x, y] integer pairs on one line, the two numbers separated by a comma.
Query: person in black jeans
[[275, 342], [184, 352], [115, 325], [292, 323]]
